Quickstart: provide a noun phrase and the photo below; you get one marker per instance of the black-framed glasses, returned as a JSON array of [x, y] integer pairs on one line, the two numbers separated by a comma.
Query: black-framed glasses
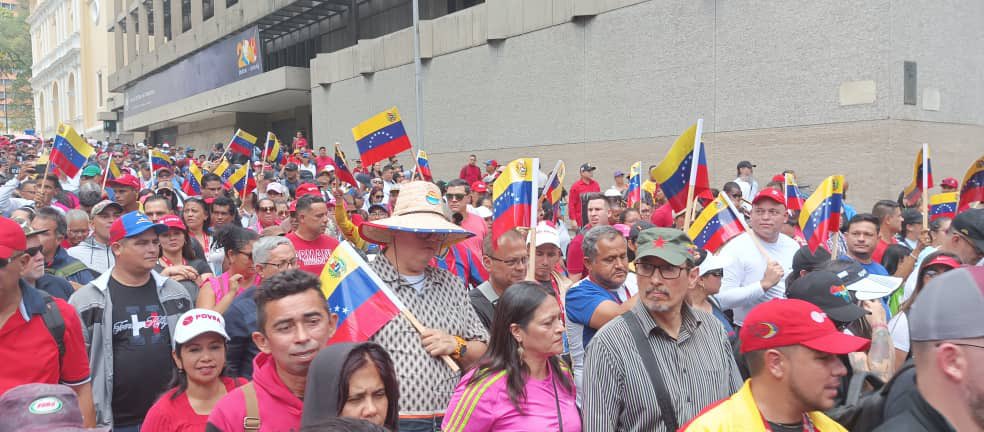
[[512, 262], [378, 196], [281, 265], [245, 254], [665, 272], [29, 252], [455, 197]]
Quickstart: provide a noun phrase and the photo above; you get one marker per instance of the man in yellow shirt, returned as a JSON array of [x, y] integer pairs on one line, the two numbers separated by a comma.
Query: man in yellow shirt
[[792, 350]]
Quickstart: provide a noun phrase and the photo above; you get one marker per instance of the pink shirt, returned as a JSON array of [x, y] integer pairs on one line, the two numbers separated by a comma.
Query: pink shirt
[[280, 410], [486, 406], [477, 226]]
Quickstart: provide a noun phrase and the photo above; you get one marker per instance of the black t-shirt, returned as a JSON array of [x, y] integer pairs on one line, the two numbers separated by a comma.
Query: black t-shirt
[[777, 427], [141, 350]]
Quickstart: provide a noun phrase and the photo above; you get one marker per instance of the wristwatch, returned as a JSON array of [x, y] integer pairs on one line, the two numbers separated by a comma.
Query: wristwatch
[[459, 350]]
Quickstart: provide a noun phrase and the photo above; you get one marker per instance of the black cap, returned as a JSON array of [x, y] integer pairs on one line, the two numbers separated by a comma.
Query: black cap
[[826, 291], [803, 259], [291, 167], [745, 164], [638, 227], [970, 223], [911, 216], [588, 167]]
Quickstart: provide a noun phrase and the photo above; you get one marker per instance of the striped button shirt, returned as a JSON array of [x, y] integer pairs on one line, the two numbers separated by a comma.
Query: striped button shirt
[[697, 367]]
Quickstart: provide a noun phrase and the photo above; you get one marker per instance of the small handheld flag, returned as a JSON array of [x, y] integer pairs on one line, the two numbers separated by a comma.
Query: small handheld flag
[[674, 173], [972, 188], [159, 159], [274, 152], [381, 136], [242, 180], [193, 182], [70, 151], [793, 200], [634, 193], [342, 171], [716, 224], [943, 205], [553, 188], [822, 211], [922, 176], [113, 172], [242, 142], [223, 171], [362, 301], [423, 166], [513, 196]]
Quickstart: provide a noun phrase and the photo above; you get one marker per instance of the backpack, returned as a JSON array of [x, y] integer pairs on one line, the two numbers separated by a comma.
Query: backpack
[[67, 270], [865, 412], [55, 323]]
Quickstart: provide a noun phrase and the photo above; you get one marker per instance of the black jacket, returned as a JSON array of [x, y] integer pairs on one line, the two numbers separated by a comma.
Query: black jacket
[[918, 416]]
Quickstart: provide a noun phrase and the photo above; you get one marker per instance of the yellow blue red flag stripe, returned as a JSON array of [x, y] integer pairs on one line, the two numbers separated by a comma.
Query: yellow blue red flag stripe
[[362, 301], [821, 212], [242, 143], [381, 136], [673, 173], [70, 151]]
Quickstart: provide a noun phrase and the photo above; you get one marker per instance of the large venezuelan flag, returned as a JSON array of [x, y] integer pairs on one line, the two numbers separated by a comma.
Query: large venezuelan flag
[[274, 151], [423, 166], [943, 205], [716, 224], [242, 143], [922, 166], [159, 159], [381, 136], [512, 196], [634, 193], [342, 171], [193, 182], [673, 173], [70, 151], [821, 213], [362, 301], [972, 188]]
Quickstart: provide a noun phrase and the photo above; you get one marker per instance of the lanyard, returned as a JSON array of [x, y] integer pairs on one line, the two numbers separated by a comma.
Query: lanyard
[[807, 424], [168, 263]]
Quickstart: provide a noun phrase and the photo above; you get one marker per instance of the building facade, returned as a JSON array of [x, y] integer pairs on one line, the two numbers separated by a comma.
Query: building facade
[[71, 53]]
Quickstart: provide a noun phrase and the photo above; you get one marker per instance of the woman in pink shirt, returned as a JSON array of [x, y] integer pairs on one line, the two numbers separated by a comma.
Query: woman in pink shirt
[[217, 293], [520, 384]]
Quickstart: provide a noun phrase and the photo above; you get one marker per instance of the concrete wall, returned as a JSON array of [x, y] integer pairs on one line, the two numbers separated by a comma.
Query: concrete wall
[[813, 86]]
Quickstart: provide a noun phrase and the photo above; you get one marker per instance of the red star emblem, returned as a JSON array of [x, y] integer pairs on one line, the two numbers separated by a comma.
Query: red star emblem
[[659, 242]]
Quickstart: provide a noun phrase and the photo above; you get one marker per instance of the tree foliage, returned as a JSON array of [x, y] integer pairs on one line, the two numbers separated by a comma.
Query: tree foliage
[[15, 58]]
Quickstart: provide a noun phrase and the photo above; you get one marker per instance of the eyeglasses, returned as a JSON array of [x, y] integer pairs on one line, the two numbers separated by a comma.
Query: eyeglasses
[[512, 262], [378, 196], [455, 197], [291, 263], [665, 272], [29, 252], [246, 254], [716, 273], [268, 209]]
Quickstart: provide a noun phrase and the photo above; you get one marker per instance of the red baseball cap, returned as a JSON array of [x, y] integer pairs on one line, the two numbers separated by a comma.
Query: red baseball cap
[[771, 194], [480, 187], [126, 180], [12, 238], [786, 322], [307, 189], [173, 222], [779, 178], [950, 182]]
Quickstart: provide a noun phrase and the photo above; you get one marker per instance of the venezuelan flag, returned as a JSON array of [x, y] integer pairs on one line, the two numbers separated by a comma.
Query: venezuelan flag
[[673, 173], [423, 166], [381, 136], [972, 189], [793, 200], [274, 151], [362, 301], [342, 171], [943, 205], [921, 167], [241, 179], [193, 182], [159, 159], [554, 189], [242, 143], [70, 151], [114, 171], [634, 194], [513, 194], [716, 224], [223, 170], [822, 211]]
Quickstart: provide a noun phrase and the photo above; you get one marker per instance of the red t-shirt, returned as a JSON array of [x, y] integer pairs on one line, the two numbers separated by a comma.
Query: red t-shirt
[[880, 250], [662, 216], [312, 255], [177, 414], [323, 161], [30, 354]]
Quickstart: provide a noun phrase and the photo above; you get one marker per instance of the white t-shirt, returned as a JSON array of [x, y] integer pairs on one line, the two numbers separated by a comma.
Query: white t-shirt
[[741, 289], [899, 327]]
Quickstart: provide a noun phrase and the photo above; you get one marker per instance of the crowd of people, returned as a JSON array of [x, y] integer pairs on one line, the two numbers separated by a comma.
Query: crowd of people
[[129, 303]]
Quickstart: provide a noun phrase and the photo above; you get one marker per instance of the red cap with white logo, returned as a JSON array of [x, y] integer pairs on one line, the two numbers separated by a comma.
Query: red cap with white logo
[[785, 322], [195, 322]]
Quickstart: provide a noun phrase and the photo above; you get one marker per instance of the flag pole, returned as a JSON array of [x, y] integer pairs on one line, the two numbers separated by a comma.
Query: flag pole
[[106, 174], [416, 165], [925, 186], [835, 248], [534, 210], [694, 162], [263, 157], [150, 160], [420, 329], [48, 165], [242, 193], [229, 145]]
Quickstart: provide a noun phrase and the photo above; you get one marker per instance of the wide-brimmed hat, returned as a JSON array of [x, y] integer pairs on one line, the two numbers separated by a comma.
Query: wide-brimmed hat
[[419, 209]]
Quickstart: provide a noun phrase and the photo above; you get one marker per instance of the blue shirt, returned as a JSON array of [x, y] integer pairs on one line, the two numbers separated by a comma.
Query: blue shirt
[[240, 323], [582, 300]]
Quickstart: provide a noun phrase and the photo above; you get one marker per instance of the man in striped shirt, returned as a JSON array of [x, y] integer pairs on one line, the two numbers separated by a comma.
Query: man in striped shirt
[[692, 355]]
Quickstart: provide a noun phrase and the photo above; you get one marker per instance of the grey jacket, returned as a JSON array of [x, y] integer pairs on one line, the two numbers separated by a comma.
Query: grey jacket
[[96, 308], [97, 256]]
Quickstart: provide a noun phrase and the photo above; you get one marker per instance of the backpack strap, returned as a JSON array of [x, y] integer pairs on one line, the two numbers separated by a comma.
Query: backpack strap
[[68, 270], [252, 420], [663, 398], [55, 323]]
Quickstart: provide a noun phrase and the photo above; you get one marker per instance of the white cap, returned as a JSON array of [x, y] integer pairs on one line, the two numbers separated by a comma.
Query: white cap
[[482, 212], [874, 286], [277, 187], [714, 262], [546, 234], [196, 322], [327, 168], [166, 145], [613, 193]]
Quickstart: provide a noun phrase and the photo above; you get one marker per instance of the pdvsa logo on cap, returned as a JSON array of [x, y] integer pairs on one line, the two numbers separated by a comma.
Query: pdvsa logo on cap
[[818, 317], [45, 405]]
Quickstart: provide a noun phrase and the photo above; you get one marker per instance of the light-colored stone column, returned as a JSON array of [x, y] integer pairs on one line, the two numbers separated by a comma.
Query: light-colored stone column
[[143, 35], [131, 38], [197, 14], [176, 19], [158, 8]]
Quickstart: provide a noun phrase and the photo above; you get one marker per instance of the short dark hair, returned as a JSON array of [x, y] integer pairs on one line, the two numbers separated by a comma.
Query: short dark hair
[[883, 208], [48, 213], [460, 182], [305, 202], [53, 178], [210, 177], [156, 197], [730, 186], [282, 285], [595, 196], [864, 217]]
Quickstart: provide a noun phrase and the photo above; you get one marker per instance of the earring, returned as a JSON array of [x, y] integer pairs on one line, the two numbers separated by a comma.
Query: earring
[[520, 350], [181, 371]]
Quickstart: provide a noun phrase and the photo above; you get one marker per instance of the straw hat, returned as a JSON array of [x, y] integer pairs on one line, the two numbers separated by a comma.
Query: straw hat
[[418, 209]]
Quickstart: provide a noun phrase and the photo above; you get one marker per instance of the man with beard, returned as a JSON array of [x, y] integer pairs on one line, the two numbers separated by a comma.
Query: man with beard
[[792, 349], [861, 238], [33, 273], [659, 339], [129, 314], [312, 244]]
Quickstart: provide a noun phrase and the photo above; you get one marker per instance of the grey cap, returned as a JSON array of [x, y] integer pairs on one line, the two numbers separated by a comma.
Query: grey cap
[[949, 307], [41, 408]]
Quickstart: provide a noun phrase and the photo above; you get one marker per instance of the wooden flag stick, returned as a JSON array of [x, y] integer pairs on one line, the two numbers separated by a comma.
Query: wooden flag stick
[[691, 184], [835, 248], [420, 329], [925, 186], [534, 212], [48, 165]]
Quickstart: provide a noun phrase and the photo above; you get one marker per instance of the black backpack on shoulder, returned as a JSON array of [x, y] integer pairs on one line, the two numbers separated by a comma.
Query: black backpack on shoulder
[[864, 411]]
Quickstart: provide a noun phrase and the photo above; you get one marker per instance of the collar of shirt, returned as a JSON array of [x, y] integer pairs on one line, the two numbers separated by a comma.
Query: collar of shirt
[[688, 325], [32, 303]]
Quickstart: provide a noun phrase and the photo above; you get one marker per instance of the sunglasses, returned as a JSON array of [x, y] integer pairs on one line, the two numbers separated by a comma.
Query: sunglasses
[[30, 251], [268, 209], [455, 197]]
